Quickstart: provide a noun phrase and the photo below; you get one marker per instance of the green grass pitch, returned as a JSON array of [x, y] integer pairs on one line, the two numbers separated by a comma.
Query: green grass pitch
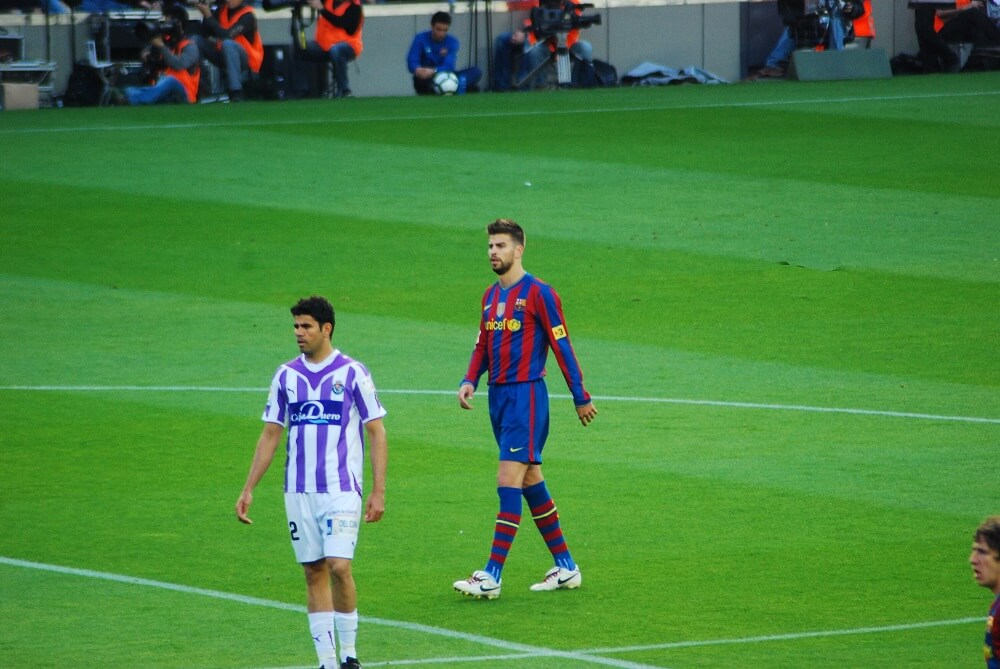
[[784, 298]]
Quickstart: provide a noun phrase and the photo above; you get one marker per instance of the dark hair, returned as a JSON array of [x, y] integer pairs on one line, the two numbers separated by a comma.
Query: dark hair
[[317, 307], [176, 12], [989, 533], [441, 17], [505, 226]]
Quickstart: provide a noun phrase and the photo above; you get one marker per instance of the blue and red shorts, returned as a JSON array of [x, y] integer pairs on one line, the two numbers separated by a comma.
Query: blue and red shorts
[[519, 413]]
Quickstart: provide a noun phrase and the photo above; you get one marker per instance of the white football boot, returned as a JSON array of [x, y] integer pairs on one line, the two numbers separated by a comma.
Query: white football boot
[[559, 578], [480, 584]]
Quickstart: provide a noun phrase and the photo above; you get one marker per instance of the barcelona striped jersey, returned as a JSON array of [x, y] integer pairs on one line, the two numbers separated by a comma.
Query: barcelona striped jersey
[[324, 407], [518, 327], [991, 648]]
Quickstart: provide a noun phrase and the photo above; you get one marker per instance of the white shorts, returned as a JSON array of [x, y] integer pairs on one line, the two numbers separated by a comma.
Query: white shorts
[[323, 525]]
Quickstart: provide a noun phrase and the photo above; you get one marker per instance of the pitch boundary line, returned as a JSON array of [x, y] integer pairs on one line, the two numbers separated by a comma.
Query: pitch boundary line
[[600, 398], [791, 636], [500, 114], [523, 651]]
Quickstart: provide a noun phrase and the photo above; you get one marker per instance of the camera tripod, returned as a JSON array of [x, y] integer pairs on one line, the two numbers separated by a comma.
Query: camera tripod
[[561, 58]]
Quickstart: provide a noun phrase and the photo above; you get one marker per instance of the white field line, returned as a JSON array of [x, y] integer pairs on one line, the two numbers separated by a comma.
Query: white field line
[[435, 661], [522, 651], [600, 398], [787, 637], [499, 114]]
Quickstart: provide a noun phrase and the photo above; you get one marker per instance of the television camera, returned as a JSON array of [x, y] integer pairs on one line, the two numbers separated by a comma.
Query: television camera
[[552, 22], [553, 17], [170, 31], [809, 20]]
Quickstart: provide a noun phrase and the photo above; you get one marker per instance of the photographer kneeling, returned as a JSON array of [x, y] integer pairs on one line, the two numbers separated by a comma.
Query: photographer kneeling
[[230, 41], [171, 58]]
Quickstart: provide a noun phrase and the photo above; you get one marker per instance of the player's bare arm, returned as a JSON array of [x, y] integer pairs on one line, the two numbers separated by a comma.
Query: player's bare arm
[[267, 444], [379, 453]]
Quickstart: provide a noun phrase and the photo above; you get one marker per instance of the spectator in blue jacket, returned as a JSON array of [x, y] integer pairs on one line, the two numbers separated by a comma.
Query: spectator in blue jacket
[[436, 51]]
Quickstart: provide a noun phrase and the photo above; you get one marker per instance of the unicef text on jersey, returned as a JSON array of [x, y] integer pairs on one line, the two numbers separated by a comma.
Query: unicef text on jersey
[[499, 325]]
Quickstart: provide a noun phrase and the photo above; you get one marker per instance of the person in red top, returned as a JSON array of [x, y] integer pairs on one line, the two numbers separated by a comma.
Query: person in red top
[[176, 60], [339, 25], [230, 41]]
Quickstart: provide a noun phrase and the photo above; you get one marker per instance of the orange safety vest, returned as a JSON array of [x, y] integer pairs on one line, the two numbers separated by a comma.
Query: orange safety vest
[[189, 78], [938, 23], [864, 25], [255, 49], [328, 34]]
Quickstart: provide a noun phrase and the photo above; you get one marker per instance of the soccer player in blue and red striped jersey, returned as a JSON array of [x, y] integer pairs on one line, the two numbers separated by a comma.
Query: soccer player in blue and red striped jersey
[[985, 561], [521, 321]]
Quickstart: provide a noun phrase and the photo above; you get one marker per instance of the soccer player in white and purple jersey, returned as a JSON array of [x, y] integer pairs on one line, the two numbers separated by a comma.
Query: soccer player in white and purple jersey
[[328, 403], [521, 321]]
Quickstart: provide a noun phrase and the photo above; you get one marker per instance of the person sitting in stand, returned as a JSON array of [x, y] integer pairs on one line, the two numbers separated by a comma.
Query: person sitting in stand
[[175, 60], [940, 25], [838, 18], [230, 41], [518, 53], [434, 51], [339, 25]]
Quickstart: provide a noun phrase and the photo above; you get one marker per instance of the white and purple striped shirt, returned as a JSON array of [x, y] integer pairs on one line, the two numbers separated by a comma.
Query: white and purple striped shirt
[[324, 407]]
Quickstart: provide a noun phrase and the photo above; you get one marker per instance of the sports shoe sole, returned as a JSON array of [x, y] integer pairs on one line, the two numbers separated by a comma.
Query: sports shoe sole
[[482, 595]]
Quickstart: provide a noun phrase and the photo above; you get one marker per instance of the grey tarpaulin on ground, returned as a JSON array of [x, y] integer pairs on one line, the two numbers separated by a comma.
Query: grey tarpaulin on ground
[[651, 74]]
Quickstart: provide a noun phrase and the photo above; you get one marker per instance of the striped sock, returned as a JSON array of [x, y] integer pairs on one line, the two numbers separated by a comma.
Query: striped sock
[[546, 517], [508, 520]]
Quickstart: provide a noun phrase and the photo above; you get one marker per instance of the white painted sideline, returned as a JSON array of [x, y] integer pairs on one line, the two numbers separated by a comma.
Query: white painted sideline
[[520, 650], [523, 649], [352, 119], [599, 398]]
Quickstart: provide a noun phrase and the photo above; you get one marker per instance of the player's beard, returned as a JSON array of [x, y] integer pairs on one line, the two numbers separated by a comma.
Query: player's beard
[[503, 267]]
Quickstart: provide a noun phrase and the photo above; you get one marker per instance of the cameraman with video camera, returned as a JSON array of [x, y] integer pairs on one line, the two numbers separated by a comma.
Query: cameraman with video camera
[[230, 41], [339, 25], [518, 53], [829, 22], [170, 57]]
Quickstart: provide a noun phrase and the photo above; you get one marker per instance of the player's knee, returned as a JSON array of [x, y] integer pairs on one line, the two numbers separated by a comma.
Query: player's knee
[[340, 569], [316, 572]]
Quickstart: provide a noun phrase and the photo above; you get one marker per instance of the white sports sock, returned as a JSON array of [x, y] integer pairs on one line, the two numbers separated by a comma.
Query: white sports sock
[[321, 626], [347, 633]]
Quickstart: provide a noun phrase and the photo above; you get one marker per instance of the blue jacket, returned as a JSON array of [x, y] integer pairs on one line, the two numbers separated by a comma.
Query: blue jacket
[[425, 52]]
